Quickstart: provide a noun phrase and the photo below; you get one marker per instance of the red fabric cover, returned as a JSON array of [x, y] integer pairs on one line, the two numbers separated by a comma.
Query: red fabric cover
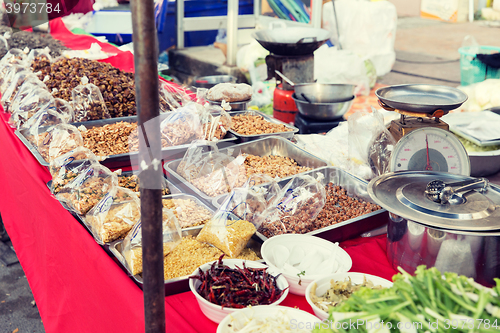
[[76, 285]]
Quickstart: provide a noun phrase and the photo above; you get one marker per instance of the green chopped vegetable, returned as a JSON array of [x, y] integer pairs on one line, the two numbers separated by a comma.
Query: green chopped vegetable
[[427, 302], [471, 147]]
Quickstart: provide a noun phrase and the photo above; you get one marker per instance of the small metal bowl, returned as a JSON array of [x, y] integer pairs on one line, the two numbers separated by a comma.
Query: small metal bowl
[[212, 80], [235, 106], [324, 92], [323, 111]]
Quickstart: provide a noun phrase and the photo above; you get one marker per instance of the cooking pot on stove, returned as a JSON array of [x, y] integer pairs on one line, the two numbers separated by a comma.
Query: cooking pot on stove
[[441, 220]]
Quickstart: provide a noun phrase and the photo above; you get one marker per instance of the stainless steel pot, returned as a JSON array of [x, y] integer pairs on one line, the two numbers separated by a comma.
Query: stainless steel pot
[[454, 228]]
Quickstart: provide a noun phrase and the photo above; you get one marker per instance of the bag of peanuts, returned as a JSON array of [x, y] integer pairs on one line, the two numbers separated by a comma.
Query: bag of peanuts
[[58, 140], [295, 208], [88, 188], [250, 201], [88, 103], [114, 216], [38, 100], [132, 244], [68, 166], [227, 233], [212, 172], [182, 126]]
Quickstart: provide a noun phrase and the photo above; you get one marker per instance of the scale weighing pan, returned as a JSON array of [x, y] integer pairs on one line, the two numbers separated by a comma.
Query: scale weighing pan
[[421, 98]]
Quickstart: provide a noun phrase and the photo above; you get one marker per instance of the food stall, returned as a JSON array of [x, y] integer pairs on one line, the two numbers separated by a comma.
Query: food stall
[[81, 278]]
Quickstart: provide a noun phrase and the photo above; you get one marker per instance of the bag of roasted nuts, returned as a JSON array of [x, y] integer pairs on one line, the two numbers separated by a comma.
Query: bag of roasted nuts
[[11, 90], [26, 88], [88, 103], [88, 188], [58, 140], [182, 126], [14, 55], [171, 97], [38, 100], [132, 244], [216, 122], [9, 74], [114, 216], [67, 167], [295, 208], [40, 123]]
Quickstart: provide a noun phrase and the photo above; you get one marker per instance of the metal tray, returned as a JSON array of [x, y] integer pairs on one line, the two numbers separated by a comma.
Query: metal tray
[[245, 138], [273, 145], [342, 231], [120, 160], [422, 98], [172, 286]]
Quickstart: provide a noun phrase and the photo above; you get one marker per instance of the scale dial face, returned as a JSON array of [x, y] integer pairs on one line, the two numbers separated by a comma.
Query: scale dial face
[[430, 149]]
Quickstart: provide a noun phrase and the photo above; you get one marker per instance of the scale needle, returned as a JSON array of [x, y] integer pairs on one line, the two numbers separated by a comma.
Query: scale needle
[[428, 167]]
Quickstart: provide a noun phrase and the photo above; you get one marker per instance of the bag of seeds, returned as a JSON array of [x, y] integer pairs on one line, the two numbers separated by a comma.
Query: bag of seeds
[[132, 244], [88, 103], [58, 140], [211, 171], [38, 100], [182, 126], [68, 166], [88, 188], [114, 216], [226, 233], [295, 208]]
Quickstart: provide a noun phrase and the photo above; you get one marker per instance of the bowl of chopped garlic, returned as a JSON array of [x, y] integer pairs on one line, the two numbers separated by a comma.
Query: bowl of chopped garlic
[[331, 290]]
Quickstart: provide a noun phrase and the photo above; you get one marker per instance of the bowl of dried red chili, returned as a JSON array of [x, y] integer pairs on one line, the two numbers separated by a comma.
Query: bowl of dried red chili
[[223, 286]]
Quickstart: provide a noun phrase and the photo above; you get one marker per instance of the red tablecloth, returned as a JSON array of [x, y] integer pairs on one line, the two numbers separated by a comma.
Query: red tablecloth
[[76, 285]]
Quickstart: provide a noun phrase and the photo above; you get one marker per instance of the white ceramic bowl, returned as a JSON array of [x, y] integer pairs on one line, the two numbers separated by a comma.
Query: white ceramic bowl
[[298, 318], [309, 242], [215, 312], [323, 285]]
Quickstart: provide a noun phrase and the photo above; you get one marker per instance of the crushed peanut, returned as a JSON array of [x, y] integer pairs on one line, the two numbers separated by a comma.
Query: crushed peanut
[[188, 212], [252, 125], [110, 139]]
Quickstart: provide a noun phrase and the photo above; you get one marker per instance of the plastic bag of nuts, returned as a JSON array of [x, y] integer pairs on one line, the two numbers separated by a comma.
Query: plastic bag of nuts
[[295, 208], [67, 167], [132, 244], [58, 140], [88, 103], [15, 83], [25, 89], [88, 188], [216, 122], [182, 126], [40, 123], [39, 99], [114, 216], [171, 98], [229, 236]]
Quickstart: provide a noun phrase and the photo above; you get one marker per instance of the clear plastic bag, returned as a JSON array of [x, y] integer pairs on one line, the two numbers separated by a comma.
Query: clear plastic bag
[[171, 98], [88, 189], [228, 235], [39, 55], [13, 87], [182, 126], [40, 123], [213, 173], [64, 109], [14, 56], [380, 149], [9, 74], [216, 122], [25, 89], [38, 100], [58, 140], [67, 167], [88, 103], [132, 244], [114, 216], [295, 208]]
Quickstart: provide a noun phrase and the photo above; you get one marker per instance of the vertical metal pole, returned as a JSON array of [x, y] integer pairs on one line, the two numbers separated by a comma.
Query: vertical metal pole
[[179, 10], [232, 31], [317, 9], [147, 100]]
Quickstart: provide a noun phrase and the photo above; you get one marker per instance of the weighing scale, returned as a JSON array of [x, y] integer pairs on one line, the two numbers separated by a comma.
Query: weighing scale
[[424, 142]]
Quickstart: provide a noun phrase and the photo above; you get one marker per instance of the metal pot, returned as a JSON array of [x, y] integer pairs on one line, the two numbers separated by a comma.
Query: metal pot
[[322, 111], [291, 41], [212, 80], [455, 227]]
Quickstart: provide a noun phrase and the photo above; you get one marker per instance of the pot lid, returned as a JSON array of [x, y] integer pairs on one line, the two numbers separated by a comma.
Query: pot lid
[[438, 199]]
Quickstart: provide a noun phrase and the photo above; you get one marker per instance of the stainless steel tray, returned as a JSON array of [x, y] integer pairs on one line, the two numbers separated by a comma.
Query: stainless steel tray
[[273, 145], [120, 160], [355, 187], [423, 98], [246, 138], [172, 286]]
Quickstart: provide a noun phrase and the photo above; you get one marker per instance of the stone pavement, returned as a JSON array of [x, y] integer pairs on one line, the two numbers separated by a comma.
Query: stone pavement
[[427, 52]]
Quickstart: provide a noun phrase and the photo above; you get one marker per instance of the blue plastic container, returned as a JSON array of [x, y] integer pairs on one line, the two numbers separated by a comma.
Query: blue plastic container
[[472, 70], [166, 25]]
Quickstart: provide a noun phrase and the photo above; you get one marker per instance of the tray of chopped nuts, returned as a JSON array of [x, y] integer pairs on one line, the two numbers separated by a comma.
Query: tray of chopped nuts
[[253, 125], [274, 156], [184, 259], [349, 211]]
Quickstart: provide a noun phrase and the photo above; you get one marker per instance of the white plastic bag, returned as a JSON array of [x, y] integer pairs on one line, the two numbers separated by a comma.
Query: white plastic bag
[[366, 28]]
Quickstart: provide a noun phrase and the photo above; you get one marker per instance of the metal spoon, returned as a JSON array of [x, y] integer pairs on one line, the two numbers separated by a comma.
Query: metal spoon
[[440, 192], [284, 78]]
